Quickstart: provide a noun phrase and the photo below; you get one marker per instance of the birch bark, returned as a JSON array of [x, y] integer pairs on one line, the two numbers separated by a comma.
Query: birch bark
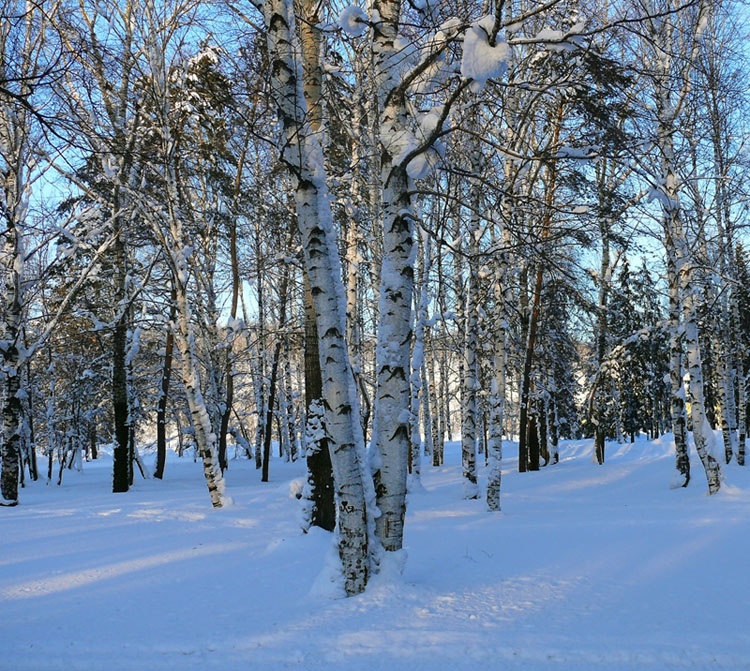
[[419, 393], [667, 112], [167, 224], [303, 157], [471, 319], [391, 407]]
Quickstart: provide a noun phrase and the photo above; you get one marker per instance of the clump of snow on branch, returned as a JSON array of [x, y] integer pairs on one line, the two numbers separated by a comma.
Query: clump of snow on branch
[[659, 194], [353, 21], [429, 121], [434, 50], [423, 164], [482, 61], [585, 152], [559, 41]]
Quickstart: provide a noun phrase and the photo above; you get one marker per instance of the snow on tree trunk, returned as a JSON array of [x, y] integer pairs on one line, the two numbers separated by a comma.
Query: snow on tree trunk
[[322, 511], [21, 41], [418, 391], [303, 157], [741, 382], [166, 223], [392, 395], [471, 335], [720, 373], [205, 438], [702, 432], [667, 192], [391, 425], [497, 397], [703, 435], [677, 389], [10, 332]]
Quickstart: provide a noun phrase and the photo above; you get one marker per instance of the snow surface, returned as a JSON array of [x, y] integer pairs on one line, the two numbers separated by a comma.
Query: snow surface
[[587, 567]]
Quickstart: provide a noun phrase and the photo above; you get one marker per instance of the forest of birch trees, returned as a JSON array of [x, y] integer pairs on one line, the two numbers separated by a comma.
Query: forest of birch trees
[[350, 234]]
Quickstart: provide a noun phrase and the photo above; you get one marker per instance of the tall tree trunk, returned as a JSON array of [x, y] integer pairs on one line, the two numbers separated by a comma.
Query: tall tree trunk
[[229, 355], [434, 397], [10, 446], [205, 439], [161, 409], [741, 380], [471, 336], [524, 452], [702, 432], [261, 383], [320, 474], [304, 158], [542, 425], [274, 377], [10, 334], [418, 392], [679, 260], [121, 467], [497, 397], [601, 334], [391, 423], [677, 393]]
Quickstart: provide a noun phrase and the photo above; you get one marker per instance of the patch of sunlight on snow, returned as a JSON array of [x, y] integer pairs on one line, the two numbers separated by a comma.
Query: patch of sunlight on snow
[[428, 515], [667, 563], [248, 523], [606, 477], [163, 515], [107, 513], [77, 579], [508, 600], [732, 491]]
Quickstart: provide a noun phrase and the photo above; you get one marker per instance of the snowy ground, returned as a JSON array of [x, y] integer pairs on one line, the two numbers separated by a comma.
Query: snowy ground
[[587, 567]]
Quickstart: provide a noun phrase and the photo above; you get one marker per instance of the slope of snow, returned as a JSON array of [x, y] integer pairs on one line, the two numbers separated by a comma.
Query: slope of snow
[[587, 567]]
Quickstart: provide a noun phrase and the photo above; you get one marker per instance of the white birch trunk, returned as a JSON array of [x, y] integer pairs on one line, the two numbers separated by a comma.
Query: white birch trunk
[[702, 433], [471, 318], [741, 382], [392, 400], [303, 157], [677, 390], [205, 438], [497, 398], [20, 41], [417, 379], [667, 112], [175, 247], [10, 333]]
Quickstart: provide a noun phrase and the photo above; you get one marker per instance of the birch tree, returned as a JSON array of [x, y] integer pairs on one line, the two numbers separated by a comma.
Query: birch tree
[[303, 158], [673, 40], [23, 40]]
